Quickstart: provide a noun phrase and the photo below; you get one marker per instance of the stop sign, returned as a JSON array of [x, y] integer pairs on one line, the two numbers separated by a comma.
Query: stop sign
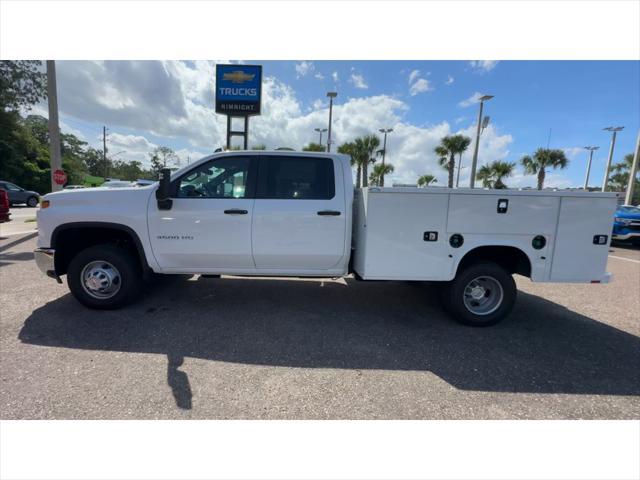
[[60, 177]]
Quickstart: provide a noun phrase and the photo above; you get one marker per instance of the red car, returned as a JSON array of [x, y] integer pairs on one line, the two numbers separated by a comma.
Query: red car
[[4, 206]]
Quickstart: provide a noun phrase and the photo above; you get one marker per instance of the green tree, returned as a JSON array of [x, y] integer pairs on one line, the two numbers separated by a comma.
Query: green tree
[[619, 178], [22, 84], [449, 147], [426, 180], [260, 146], [349, 148], [313, 147], [379, 171], [365, 149], [163, 157], [492, 174], [542, 159]]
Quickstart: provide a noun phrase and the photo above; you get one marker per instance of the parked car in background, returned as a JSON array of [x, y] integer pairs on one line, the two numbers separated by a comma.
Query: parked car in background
[[20, 195], [626, 224], [4, 206]]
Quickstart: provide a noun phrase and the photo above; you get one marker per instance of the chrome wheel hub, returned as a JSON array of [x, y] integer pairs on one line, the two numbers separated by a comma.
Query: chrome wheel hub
[[101, 280], [483, 295]]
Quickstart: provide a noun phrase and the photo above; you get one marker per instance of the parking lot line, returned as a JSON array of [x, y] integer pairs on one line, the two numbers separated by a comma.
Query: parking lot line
[[622, 258]]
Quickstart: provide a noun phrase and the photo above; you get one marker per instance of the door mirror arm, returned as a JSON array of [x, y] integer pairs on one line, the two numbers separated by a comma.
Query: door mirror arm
[[163, 193]]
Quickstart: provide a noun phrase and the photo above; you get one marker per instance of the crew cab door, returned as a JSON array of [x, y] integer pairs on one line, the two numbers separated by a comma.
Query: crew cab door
[[209, 224], [299, 218]]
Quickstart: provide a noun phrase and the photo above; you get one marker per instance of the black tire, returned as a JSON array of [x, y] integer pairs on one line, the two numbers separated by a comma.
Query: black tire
[[129, 276], [32, 201], [453, 294]]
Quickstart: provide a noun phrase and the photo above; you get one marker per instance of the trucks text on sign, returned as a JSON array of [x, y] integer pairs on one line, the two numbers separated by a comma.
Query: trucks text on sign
[[238, 89]]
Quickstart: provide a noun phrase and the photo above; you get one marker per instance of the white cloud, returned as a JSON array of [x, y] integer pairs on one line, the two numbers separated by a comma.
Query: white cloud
[[573, 152], [358, 81], [303, 68], [421, 85], [450, 80], [417, 84], [472, 100], [413, 75], [335, 77], [483, 65], [319, 76]]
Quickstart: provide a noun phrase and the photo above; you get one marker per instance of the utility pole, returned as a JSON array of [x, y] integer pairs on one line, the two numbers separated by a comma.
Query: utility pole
[[104, 150], [54, 128], [331, 96], [615, 130], [474, 162], [586, 180], [632, 173]]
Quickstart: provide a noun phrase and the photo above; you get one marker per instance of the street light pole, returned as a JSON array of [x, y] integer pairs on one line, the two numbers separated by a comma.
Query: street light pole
[[474, 162], [384, 143], [632, 173], [331, 96], [615, 130], [586, 180], [54, 128], [320, 130]]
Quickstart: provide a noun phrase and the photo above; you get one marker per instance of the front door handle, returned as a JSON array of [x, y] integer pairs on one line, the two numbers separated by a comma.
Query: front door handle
[[236, 211], [329, 213]]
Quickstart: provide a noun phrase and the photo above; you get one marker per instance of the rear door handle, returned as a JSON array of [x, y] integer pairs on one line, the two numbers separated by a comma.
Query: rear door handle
[[329, 213], [236, 211]]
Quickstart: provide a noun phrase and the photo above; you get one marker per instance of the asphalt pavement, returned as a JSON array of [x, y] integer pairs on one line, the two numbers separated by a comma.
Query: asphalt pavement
[[251, 348], [22, 221]]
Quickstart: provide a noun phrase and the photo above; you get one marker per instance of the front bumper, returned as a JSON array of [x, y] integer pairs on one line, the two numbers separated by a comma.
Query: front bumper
[[45, 260], [625, 236]]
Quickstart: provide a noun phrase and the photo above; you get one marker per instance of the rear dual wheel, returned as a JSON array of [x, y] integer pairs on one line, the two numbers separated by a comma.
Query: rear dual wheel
[[481, 295]]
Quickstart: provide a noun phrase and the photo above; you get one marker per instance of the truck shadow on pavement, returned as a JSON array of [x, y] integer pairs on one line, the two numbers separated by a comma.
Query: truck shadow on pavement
[[542, 348]]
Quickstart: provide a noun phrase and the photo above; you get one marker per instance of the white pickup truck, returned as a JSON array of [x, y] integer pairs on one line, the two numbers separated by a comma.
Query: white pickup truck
[[297, 214]]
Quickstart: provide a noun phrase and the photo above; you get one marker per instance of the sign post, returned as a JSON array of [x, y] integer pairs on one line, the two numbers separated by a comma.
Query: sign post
[[238, 94]]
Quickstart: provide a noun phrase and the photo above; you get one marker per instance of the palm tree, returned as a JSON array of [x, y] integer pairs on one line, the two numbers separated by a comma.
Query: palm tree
[[366, 146], [426, 180], [379, 171], [449, 147], [349, 148], [542, 159], [620, 172], [493, 173]]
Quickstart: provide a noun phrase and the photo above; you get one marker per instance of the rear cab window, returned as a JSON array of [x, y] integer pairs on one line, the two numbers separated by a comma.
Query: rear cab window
[[296, 178]]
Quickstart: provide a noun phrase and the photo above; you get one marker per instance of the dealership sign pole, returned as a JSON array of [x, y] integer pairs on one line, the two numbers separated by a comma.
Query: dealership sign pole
[[54, 129], [238, 94]]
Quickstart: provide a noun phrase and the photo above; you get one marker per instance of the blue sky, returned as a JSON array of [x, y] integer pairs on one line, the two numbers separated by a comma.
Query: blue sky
[[171, 103]]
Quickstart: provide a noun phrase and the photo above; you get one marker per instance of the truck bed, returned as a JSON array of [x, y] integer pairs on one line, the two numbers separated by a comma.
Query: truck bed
[[406, 233]]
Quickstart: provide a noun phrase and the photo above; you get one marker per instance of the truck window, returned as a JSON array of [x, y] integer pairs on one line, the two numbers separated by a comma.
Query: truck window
[[220, 178], [302, 178]]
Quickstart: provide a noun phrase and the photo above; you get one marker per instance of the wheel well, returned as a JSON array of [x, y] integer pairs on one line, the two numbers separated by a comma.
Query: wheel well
[[69, 240], [511, 259]]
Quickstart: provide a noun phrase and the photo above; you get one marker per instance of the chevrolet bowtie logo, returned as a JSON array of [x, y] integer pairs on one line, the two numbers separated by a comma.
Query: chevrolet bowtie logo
[[238, 76]]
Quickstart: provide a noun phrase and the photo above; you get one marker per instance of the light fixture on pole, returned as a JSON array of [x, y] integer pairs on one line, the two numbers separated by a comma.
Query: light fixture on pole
[[614, 131], [474, 163], [331, 96], [320, 130], [384, 143], [586, 180]]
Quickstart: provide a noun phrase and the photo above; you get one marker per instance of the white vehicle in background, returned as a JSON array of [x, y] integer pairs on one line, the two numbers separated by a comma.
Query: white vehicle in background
[[116, 184], [284, 213]]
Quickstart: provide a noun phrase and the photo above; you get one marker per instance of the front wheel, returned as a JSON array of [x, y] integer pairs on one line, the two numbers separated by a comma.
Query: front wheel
[[480, 295], [104, 277], [32, 202]]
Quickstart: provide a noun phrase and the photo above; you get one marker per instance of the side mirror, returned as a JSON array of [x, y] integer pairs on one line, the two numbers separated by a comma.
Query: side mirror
[[163, 193]]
